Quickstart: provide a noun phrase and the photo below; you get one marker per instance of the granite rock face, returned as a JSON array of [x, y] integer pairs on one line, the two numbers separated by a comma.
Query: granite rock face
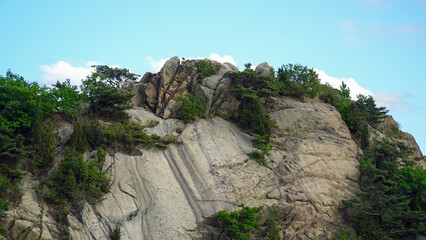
[[166, 194]]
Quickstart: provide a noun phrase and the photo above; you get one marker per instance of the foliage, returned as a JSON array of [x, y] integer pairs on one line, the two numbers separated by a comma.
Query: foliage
[[347, 235], [104, 98], [131, 135], [391, 203], [94, 133], [207, 68], [45, 147], [68, 99], [19, 101], [76, 180], [191, 106], [254, 89], [115, 76], [4, 185], [78, 141], [357, 115], [272, 230], [116, 234], [237, 224], [299, 81], [12, 149], [264, 147]]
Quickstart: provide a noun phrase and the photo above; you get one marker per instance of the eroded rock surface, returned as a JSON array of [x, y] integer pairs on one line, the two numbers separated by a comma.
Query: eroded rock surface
[[166, 194], [160, 91]]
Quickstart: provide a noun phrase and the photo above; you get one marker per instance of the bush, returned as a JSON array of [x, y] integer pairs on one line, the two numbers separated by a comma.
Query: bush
[[254, 89], [45, 147], [264, 147], [272, 230], [191, 106], [237, 224], [94, 134], [116, 234], [76, 180], [207, 68], [77, 139], [299, 81]]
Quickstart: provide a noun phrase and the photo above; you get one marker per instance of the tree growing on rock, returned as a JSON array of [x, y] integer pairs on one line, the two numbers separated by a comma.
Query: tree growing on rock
[[103, 93]]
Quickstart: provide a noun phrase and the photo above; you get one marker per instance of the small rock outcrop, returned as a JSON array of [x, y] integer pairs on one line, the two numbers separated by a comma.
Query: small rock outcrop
[[159, 91]]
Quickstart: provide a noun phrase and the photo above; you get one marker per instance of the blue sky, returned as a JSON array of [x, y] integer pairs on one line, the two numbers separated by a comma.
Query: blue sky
[[378, 46]]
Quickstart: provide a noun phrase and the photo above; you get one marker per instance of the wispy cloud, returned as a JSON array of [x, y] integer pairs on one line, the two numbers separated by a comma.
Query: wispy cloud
[[156, 65], [394, 101], [362, 32], [371, 3], [421, 3], [62, 70], [410, 29]]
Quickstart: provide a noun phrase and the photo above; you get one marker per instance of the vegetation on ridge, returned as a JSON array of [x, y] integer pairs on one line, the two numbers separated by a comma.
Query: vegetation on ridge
[[392, 200]]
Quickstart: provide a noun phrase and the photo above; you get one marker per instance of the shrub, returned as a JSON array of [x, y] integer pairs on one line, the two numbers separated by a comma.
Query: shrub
[[237, 224], [299, 81], [207, 68], [94, 134], [272, 230], [191, 106], [128, 136], [76, 180], [264, 147], [116, 234], [77, 139], [45, 147], [253, 89]]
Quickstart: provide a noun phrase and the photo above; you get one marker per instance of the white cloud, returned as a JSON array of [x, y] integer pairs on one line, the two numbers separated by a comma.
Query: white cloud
[[156, 65], [63, 70], [394, 101], [224, 59], [337, 82]]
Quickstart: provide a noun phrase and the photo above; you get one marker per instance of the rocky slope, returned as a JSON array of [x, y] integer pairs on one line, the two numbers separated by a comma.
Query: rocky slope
[[169, 194]]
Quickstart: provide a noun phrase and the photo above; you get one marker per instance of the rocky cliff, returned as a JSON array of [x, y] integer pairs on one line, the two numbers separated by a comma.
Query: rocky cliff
[[172, 193]]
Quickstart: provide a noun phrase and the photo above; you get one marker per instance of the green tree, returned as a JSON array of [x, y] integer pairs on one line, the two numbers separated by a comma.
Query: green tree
[[237, 224], [114, 76], [391, 203], [299, 81], [77, 139], [19, 101], [68, 99], [45, 147], [104, 98]]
